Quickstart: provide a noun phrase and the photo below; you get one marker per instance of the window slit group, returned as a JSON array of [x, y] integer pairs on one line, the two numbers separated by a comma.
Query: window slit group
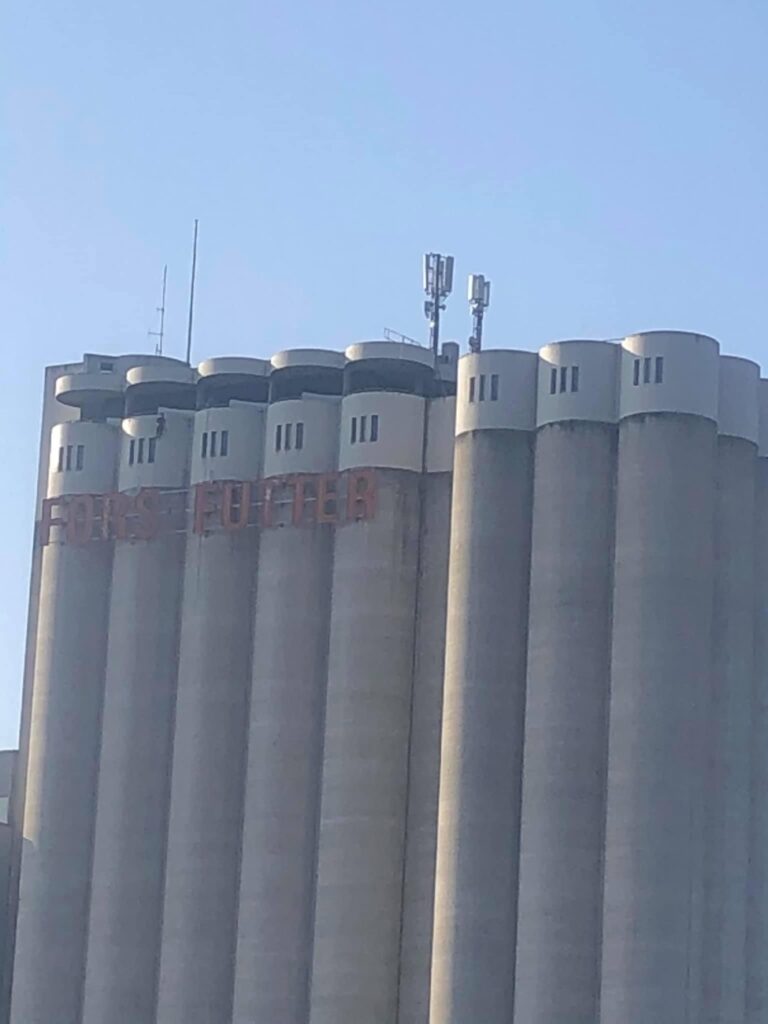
[[562, 379], [71, 456], [478, 390], [289, 436], [646, 368], [364, 428]]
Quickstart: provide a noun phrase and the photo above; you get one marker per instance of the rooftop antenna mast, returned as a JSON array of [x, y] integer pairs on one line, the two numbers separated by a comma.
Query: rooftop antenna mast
[[192, 297], [479, 295], [438, 285], [160, 333]]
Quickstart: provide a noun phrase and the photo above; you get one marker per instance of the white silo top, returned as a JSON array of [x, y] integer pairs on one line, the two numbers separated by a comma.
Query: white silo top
[[496, 391], [308, 357], [240, 365], [669, 371], [578, 380], [738, 412], [81, 389], [400, 350], [161, 373]]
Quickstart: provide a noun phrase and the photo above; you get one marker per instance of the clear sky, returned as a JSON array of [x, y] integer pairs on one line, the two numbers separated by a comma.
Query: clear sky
[[604, 162]]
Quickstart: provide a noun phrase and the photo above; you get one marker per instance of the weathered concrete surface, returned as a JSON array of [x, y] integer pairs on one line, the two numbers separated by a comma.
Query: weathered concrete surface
[[365, 766], [274, 946], [207, 790], [566, 728], [660, 687], [424, 756], [473, 958], [134, 783], [727, 800]]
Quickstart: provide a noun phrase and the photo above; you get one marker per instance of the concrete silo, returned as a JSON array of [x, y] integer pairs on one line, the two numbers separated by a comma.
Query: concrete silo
[[140, 692], [66, 708], [427, 703], [757, 884], [569, 651], [290, 645], [360, 868], [473, 958], [660, 678], [727, 783], [211, 732], [53, 412]]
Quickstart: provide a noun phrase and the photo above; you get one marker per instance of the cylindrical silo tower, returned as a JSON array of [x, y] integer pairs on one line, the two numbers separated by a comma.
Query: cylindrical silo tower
[[66, 709], [660, 679], [727, 800], [360, 868], [140, 691], [290, 645], [427, 704], [473, 959], [211, 732], [757, 883], [569, 652]]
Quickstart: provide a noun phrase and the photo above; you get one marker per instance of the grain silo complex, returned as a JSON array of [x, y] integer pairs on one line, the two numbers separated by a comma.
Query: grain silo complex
[[384, 685]]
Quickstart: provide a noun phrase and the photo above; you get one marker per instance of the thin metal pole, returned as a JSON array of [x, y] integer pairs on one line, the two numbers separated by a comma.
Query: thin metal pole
[[192, 297], [435, 325], [476, 341], [162, 311], [160, 334]]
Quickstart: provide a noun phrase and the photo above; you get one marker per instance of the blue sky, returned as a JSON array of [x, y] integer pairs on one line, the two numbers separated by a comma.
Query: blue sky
[[604, 162]]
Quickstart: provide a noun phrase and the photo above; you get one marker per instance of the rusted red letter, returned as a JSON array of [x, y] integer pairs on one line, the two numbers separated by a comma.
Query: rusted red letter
[[268, 487], [302, 490], [48, 519], [236, 504], [114, 510], [203, 492], [327, 510], [80, 509], [148, 513], [361, 494]]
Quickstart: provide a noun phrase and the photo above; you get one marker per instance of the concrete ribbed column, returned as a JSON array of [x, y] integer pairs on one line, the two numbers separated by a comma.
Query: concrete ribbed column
[[209, 752], [660, 680], [569, 648], [136, 754], [757, 883], [65, 735], [484, 696], [290, 649], [727, 804]]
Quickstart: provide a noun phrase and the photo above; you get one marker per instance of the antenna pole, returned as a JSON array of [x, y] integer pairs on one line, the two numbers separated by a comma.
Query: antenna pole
[[438, 284], [192, 297], [479, 295], [434, 326], [162, 312], [160, 334], [476, 341]]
